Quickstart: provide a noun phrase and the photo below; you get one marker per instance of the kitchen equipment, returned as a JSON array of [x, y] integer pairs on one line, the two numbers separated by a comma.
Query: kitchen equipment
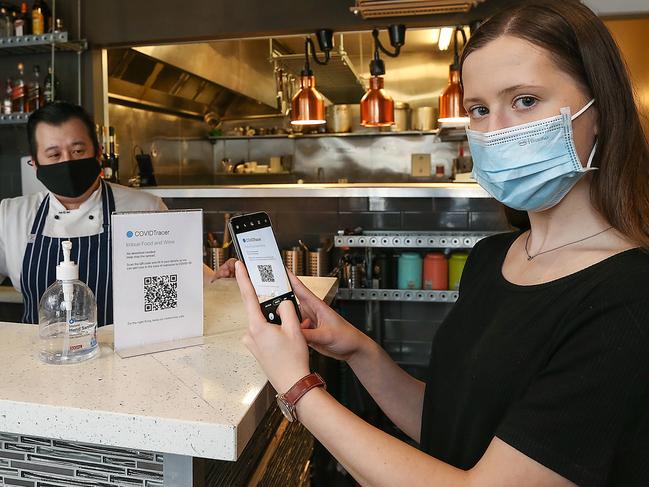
[[424, 118], [410, 271], [275, 164], [294, 260], [455, 268], [435, 273], [317, 261], [401, 117], [339, 118], [217, 256], [381, 272]]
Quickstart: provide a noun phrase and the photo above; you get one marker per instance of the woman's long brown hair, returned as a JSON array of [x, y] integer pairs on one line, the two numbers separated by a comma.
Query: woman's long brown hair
[[582, 46]]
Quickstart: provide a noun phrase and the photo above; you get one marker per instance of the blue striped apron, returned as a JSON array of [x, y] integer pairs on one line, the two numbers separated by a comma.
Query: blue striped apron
[[91, 253]]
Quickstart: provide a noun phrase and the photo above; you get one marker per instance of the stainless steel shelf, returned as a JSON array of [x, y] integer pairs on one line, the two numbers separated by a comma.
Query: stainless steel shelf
[[408, 295], [311, 190], [14, 119], [34, 44], [419, 240], [307, 136]]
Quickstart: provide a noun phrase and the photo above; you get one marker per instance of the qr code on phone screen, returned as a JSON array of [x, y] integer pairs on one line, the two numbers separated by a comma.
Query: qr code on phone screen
[[266, 273], [160, 292]]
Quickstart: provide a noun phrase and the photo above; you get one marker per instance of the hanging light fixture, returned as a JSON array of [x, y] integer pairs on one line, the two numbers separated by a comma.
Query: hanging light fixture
[[451, 110], [377, 107], [308, 106]]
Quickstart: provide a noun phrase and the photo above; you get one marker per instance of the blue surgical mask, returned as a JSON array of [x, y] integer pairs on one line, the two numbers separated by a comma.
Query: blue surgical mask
[[532, 166]]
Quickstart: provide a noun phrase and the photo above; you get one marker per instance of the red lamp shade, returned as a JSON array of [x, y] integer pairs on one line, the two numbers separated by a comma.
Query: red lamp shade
[[451, 110], [377, 107], [308, 107]]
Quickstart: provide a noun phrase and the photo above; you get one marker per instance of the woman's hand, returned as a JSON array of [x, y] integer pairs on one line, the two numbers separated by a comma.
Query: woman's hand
[[280, 350], [324, 329]]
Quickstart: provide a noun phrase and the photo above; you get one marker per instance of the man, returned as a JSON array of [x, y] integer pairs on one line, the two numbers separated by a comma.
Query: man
[[65, 154]]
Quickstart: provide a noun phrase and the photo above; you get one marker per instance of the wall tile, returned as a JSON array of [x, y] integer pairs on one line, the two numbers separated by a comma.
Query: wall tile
[[488, 220], [447, 220], [370, 221]]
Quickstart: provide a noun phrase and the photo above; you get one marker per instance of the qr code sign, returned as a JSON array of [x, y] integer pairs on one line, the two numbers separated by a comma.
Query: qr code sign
[[266, 273], [160, 292]]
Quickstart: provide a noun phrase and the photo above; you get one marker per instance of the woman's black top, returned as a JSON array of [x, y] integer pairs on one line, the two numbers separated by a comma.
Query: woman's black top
[[559, 371]]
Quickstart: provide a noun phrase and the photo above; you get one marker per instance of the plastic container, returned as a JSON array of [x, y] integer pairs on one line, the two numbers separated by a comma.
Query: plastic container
[[67, 317], [435, 272], [455, 269], [410, 270]]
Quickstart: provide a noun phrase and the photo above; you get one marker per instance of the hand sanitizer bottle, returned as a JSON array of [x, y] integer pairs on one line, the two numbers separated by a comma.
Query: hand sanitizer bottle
[[67, 316]]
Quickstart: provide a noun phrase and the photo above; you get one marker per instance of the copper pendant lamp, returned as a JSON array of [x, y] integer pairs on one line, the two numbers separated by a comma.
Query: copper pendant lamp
[[377, 107], [451, 110], [308, 104]]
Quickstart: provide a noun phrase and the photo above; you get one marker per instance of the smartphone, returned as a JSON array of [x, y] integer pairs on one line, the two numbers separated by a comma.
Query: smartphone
[[256, 246]]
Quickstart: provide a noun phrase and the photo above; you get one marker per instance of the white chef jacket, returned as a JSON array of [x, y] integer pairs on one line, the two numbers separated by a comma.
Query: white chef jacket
[[17, 216]]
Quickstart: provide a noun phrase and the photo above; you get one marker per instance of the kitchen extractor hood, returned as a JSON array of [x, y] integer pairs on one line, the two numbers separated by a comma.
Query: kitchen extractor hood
[[338, 80], [137, 79], [370, 9]]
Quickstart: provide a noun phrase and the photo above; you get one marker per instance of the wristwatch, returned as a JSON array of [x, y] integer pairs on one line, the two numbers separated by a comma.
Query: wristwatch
[[289, 399]]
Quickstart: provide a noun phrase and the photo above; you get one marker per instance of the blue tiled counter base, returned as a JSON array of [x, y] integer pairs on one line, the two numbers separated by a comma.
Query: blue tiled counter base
[[30, 461]]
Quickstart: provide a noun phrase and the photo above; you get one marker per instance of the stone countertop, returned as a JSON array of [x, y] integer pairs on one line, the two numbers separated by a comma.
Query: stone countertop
[[203, 401]]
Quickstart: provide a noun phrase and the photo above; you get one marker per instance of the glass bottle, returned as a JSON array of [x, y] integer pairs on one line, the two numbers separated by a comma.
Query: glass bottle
[[18, 91], [6, 101], [38, 19], [6, 23], [21, 23], [34, 95], [67, 316], [51, 87]]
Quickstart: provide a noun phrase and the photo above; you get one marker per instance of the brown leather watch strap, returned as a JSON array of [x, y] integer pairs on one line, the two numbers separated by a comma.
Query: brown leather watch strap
[[301, 387]]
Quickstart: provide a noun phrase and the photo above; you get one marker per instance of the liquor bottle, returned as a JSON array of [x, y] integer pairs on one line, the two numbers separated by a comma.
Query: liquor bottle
[[113, 156], [38, 19], [51, 87], [22, 23], [18, 91], [48, 22], [6, 23], [6, 101], [34, 95], [106, 162]]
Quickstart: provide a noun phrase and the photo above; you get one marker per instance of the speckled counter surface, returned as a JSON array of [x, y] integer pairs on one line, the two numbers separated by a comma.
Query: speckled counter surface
[[201, 401]]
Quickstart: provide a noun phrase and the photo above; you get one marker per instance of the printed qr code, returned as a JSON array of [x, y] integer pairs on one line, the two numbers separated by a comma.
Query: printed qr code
[[160, 292], [266, 272]]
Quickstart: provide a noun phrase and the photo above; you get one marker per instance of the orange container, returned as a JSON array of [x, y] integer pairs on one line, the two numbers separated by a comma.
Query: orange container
[[435, 271]]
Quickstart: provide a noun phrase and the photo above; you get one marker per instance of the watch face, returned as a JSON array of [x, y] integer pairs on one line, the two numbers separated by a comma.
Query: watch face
[[286, 409]]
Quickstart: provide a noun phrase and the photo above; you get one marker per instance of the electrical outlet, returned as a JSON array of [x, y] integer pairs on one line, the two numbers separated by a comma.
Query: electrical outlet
[[420, 165]]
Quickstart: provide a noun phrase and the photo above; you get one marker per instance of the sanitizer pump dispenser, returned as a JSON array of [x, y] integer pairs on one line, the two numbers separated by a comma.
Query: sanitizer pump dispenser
[[67, 316]]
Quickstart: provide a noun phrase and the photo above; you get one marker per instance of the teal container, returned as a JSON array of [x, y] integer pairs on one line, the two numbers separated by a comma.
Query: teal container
[[455, 269], [410, 270]]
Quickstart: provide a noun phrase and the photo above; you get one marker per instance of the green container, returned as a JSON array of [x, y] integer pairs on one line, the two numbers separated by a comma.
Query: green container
[[410, 270], [455, 268]]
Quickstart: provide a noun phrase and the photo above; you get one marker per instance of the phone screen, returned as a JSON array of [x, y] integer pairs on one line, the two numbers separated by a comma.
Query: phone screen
[[263, 261]]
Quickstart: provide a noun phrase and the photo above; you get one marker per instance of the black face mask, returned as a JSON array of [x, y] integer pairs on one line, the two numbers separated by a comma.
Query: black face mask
[[70, 178]]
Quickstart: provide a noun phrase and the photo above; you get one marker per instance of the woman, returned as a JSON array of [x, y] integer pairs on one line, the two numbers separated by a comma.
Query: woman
[[539, 376]]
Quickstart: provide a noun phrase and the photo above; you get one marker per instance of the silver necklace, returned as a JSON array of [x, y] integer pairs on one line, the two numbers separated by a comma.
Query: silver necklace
[[530, 257]]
